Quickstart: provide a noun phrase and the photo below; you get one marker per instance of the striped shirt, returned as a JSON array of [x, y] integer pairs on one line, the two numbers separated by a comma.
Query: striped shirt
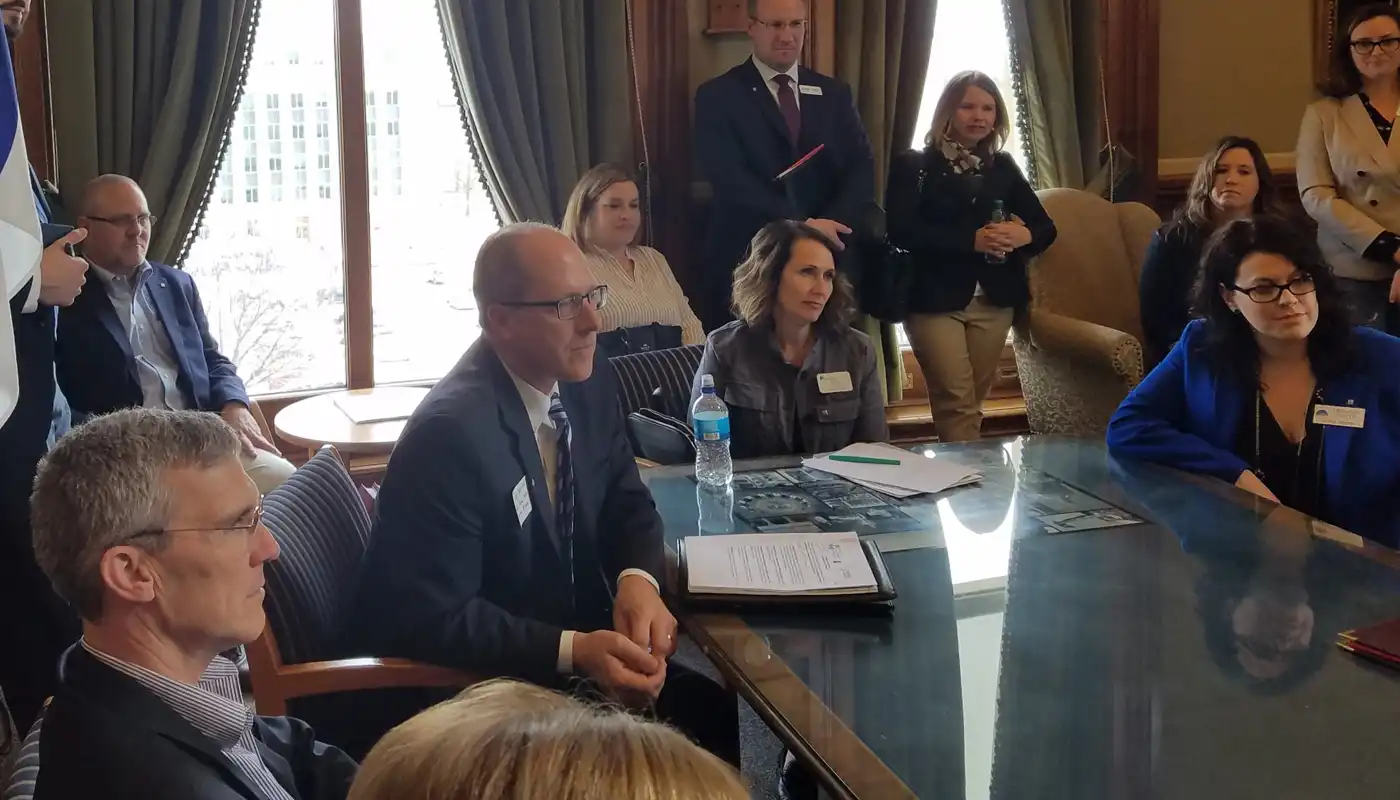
[[215, 708], [645, 293]]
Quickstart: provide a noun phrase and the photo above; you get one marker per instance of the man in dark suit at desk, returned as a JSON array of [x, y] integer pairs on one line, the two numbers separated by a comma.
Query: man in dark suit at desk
[[757, 119], [37, 625], [139, 336], [514, 534]]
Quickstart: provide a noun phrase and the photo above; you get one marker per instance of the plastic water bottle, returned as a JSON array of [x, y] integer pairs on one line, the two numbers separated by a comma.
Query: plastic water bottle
[[998, 217], [713, 466], [716, 508]]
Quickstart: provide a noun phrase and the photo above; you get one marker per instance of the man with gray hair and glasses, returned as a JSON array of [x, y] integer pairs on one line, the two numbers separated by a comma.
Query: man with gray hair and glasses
[[147, 525]]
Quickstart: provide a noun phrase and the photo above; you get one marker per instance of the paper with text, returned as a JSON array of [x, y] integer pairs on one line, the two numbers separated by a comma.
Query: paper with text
[[778, 564], [915, 473]]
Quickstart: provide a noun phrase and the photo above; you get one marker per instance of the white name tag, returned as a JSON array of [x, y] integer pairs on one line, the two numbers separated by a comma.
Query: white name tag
[[1340, 416], [520, 495], [832, 382], [806, 89]]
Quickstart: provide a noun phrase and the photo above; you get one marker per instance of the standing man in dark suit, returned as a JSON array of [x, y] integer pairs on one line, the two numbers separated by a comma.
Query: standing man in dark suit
[[752, 123], [34, 624], [139, 337], [164, 563], [514, 535]]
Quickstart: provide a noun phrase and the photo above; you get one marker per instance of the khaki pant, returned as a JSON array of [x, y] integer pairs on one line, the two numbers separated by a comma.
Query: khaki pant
[[268, 470], [958, 354]]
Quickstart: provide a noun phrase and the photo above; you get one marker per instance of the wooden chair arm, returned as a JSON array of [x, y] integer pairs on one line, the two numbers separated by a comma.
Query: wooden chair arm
[[643, 462], [357, 674]]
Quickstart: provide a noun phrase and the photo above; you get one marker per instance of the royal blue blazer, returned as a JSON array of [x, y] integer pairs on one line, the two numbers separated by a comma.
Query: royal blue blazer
[[1185, 415]]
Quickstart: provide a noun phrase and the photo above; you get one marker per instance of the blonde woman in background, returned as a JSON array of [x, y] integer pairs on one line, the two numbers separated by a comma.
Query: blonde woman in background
[[602, 217], [505, 740], [970, 276]]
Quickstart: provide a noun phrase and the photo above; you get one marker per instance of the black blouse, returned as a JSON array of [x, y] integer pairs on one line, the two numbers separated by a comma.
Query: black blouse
[[1291, 470], [1384, 246], [1164, 294]]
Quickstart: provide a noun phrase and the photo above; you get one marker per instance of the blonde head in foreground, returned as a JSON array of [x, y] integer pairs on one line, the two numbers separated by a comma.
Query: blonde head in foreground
[[505, 740]]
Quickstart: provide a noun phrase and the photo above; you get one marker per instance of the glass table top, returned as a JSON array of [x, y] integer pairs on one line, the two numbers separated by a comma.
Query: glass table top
[[1185, 654]]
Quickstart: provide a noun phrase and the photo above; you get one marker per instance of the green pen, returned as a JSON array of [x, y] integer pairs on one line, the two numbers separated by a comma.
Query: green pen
[[893, 462]]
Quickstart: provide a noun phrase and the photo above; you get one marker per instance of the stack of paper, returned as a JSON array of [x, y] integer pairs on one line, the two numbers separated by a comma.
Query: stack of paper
[[788, 564], [377, 406], [915, 473]]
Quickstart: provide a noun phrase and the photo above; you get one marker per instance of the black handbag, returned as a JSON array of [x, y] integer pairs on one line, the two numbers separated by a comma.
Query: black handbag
[[887, 270], [639, 339], [660, 438]]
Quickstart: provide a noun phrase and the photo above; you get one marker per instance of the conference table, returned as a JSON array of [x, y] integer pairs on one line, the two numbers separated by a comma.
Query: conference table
[[1070, 627]]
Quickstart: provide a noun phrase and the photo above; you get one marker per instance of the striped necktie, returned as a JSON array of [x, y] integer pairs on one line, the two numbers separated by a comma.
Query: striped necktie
[[563, 483]]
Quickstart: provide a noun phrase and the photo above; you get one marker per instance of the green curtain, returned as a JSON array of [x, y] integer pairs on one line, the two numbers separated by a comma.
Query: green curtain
[[148, 89], [882, 52], [1054, 51], [545, 91]]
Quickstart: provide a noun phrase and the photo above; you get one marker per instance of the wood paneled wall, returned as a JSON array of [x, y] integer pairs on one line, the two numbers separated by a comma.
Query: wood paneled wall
[[31, 59]]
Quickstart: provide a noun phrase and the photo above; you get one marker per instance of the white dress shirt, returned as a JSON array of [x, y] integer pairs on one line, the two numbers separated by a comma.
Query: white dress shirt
[[547, 441], [769, 73]]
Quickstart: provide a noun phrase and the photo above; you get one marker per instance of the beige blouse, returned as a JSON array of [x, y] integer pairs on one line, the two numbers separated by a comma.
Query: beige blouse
[[645, 294]]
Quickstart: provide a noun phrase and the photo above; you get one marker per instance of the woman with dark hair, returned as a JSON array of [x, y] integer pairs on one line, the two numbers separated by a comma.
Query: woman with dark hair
[[1232, 181], [972, 222], [1274, 390], [796, 377], [1348, 170]]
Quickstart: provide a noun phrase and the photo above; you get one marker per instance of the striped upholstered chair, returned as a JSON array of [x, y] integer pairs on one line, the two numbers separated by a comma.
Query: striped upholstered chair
[[322, 528], [659, 379], [22, 765]]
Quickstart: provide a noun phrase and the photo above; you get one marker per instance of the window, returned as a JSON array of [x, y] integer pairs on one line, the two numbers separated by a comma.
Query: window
[[968, 34], [281, 293]]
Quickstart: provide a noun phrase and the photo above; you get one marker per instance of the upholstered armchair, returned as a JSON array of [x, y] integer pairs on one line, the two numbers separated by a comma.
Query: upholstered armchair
[[1079, 352]]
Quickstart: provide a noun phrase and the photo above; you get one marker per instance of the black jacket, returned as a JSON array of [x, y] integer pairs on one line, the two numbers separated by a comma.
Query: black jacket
[[1169, 273], [454, 575], [939, 224], [742, 144], [105, 735]]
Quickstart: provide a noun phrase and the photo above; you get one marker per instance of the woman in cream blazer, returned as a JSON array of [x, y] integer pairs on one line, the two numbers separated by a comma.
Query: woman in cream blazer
[[1349, 167]]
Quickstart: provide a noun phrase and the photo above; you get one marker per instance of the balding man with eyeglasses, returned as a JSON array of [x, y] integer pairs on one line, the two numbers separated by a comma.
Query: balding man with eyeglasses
[[139, 335], [514, 534]]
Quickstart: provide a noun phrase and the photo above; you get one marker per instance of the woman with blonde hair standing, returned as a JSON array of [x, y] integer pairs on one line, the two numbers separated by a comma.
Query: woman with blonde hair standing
[[505, 740], [644, 300], [1349, 165], [970, 219]]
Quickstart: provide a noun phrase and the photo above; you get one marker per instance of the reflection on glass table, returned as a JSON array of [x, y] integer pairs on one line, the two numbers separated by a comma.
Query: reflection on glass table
[[1070, 628]]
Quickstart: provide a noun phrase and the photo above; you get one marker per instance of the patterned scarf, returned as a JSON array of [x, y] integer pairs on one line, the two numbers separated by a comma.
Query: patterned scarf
[[962, 158]]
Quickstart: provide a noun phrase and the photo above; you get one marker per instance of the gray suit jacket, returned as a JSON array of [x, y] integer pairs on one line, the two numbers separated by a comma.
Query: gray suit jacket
[[1350, 183]]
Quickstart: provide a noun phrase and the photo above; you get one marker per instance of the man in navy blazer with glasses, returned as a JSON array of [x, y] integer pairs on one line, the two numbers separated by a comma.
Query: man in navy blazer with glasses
[[139, 335], [751, 124]]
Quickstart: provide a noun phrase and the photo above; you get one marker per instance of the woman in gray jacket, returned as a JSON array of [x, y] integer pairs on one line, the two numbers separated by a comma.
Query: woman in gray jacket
[[796, 377]]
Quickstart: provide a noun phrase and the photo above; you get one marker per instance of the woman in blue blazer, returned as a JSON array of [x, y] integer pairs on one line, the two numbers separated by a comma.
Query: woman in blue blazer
[[1274, 390]]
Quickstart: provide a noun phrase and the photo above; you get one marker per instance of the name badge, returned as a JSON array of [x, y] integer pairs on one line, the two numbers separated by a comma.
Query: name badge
[[520, 495], [808, 89], [832, 382], [1339, 416]]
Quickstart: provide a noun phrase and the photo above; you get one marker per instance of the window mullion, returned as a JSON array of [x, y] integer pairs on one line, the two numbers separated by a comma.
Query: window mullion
[[354, 194]]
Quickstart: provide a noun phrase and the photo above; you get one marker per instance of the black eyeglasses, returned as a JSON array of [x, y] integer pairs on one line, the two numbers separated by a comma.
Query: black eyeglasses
[[1366, 47], [569, 307], [249, 528], [126, 220], [1269, 292]]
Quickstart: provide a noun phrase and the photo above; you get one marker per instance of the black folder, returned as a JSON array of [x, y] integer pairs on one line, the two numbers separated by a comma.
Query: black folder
[[880, 600]]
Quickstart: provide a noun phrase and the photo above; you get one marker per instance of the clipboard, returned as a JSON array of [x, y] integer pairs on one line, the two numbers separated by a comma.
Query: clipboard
[[879, 601]]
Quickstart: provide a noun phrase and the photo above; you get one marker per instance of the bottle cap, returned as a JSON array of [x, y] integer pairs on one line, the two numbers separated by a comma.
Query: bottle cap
[[707, 381]]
